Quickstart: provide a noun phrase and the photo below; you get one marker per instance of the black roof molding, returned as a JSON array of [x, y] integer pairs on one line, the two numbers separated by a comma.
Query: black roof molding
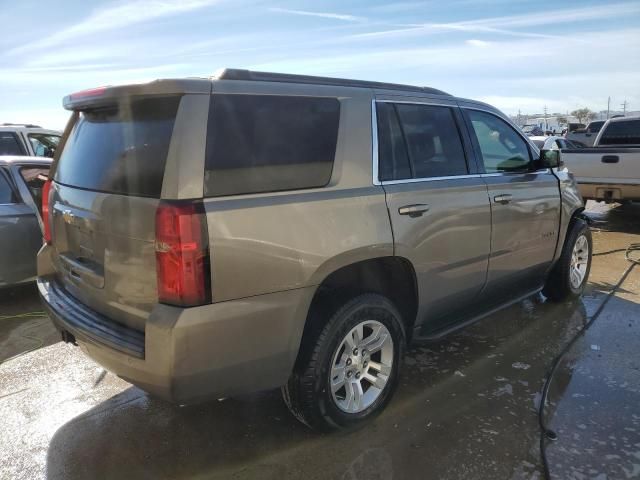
[[250, 75]]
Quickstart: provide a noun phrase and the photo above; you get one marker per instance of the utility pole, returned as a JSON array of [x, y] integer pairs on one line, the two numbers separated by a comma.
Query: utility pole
[[624, 106], [608, 107], [546, 124]]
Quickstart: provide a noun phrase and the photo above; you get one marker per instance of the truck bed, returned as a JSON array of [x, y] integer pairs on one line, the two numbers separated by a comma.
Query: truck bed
[[605, 173]]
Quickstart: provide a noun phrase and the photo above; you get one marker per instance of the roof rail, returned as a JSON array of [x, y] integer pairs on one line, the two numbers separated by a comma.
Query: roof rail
[[240, 74], [26, 125]]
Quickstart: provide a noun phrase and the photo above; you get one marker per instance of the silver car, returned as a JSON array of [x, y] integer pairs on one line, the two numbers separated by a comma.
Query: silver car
[[21, 181]]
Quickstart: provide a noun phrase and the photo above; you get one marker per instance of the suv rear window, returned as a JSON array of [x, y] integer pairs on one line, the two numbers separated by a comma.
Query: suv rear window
[[622, 133], [267, 143], [121, 149]]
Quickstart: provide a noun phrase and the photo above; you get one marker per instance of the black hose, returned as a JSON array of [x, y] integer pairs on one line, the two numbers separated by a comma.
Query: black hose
[[547, 433]]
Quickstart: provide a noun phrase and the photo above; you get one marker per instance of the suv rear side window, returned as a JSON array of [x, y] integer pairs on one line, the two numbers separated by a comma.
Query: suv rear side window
[[10, 145], [430, 136], [267, 143], [502, 149], [621, 133], [121, 149]]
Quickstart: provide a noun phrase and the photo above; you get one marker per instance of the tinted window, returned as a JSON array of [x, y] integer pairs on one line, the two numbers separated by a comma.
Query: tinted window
[[393, 159], [44, 145], [266, 143], [622, 133], [6, 193], [9, 144], [594, 127], [433, 140], [502, 149], [120, 149]]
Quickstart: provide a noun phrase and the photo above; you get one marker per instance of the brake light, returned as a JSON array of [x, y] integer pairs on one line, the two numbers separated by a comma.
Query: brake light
[[182, 254], [46, 212], [91, 92]]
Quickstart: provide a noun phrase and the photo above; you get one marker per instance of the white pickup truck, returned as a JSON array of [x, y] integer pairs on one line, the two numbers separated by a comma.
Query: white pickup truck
[[610, 170]]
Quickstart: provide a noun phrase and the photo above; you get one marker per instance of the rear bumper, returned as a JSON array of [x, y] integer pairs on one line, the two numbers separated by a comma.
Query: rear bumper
[[187, 355], [608, 191]]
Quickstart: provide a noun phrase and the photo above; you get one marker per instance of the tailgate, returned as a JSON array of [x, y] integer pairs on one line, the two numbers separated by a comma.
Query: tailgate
[[604, 165], [106, 188]]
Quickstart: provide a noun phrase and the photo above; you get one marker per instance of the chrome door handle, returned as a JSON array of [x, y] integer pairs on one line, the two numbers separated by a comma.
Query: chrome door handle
[[503, 199], [414, 210]]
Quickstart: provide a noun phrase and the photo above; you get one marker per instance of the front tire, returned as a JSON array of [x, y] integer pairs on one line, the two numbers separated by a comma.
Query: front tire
[[569, 276], [351, 369]]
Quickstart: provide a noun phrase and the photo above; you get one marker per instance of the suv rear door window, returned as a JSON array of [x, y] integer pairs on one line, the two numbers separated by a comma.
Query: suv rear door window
[[120, 149], [10, 145], [622, 133], [501, 148], [267, 143], [433, 140], [418, 141], [393, 158]]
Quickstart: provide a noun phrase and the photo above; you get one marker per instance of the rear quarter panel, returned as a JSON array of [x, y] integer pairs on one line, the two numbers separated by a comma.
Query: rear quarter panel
[[263, 243]]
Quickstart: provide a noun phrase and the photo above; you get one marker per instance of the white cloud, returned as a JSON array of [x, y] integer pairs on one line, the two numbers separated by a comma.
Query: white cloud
[[477, 43], [334, 16], [498, 24], [118, 16]]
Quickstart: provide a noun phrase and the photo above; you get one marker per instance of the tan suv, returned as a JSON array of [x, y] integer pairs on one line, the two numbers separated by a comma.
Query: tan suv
[[213, 237]]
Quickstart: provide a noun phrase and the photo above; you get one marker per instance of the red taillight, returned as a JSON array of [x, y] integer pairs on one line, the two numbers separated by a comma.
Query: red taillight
[[182, 254], [46, 220]]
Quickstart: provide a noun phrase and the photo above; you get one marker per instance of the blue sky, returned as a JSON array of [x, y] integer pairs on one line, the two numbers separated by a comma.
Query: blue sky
[[513, 54]]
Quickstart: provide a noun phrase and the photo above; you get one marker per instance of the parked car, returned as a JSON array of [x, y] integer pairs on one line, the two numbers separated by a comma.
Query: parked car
[[532, 130], [212, 237], [28, 140], [554, 143], [21, 182], [609, 171], [587, 135]]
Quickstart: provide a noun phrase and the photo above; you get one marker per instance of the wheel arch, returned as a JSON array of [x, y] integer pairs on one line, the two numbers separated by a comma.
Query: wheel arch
[[391, 276]]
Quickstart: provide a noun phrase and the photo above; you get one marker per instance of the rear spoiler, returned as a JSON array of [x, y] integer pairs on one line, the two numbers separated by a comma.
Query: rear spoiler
[[109, 95]]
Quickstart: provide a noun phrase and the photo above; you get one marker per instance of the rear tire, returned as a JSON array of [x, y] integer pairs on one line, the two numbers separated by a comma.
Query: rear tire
[[569, 276], [362, 344]]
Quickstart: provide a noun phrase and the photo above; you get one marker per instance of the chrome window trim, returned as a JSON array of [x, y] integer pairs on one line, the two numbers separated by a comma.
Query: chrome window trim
[[374, 146], [413, 102], [374, 142], [429, 179]]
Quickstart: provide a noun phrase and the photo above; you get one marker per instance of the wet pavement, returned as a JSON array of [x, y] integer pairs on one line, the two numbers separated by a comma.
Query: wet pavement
[[465, 409]]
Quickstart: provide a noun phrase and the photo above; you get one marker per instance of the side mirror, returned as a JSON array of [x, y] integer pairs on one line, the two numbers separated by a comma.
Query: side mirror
[[550, 159]]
